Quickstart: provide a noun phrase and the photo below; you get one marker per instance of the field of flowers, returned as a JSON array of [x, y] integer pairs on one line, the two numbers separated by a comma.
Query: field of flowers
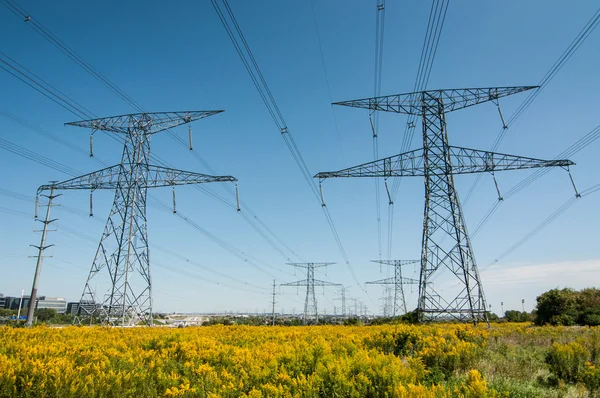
[[512, 360]]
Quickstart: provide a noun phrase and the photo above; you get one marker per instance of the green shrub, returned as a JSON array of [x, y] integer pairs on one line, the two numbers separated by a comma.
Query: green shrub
[[567, 361]]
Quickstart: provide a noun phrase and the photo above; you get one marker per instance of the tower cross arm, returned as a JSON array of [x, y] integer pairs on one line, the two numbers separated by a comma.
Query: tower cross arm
[[453, 99], [392, 281], [396, 262], [109, 178], [405, 164], [303, 282], [462, 161], [325, 283], [467, 160], [150, 122], [310, 265]]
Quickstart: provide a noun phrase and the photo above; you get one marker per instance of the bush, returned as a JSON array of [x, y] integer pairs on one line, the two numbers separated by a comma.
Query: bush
[[556, 307], [475, 386], [591, 378], [568, 307], [406, 343], [567, 361], [517, 316], [6, 312], [45, 314]]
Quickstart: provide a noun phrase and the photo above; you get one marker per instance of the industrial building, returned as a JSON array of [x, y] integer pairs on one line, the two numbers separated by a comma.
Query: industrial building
[[12, 303]]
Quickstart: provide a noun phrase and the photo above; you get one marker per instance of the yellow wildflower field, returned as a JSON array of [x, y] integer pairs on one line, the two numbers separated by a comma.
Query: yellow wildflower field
[[315, 361]]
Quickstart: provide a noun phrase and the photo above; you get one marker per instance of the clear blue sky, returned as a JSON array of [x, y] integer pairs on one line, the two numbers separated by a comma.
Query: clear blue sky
[[178, 57]]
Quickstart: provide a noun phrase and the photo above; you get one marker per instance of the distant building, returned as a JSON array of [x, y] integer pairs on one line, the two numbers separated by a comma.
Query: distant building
[[57, 303], [12, 303]]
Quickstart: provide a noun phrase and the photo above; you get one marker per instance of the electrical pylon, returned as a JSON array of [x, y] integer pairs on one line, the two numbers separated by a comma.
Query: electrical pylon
[[343, 299], [398, 281], [310, 304], [387, 301], [445, 243], [123, 252]]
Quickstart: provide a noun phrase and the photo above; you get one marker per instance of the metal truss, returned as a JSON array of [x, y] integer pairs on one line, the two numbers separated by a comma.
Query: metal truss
[[342, 298], [445, 243], [453, 99], [158, 176], [121, 266], [310, 304], [150, 123], [462, 161], [398, 281]]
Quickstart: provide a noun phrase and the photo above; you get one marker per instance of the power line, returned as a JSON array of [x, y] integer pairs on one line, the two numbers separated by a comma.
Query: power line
[[68, 51], [585, 32], [227, 246], [41, 86], [243, 49], [335, 123], [374, 116], [77, 234], [435, 24], [577, 146], [547, 221], [37, 158], [50, 136]]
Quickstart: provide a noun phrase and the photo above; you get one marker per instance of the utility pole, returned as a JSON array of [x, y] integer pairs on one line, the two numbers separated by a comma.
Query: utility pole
[[122, 261], [502, 306], [445, 244], [273, 323], [20, 304], [523, 304], [310, 304], [38, 267], [399, 307]]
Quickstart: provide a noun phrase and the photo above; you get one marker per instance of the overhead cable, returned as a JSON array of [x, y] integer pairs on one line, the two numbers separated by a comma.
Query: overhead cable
[[566, 55], [238, 39]]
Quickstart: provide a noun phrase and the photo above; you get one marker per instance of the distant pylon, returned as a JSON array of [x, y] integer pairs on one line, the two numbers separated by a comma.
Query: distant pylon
[[343, 299], [386, 299], [399, 306], [123, 255], [310, 304]]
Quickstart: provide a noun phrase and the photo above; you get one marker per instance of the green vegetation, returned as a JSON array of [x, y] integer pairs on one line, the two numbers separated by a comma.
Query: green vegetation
[[569, 307]]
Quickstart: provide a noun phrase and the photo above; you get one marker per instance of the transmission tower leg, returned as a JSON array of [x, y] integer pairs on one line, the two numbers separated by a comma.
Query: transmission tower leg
[[445, 240]]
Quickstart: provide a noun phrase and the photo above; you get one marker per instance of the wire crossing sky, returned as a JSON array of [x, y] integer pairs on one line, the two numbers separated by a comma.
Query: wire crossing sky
[[64, 62]]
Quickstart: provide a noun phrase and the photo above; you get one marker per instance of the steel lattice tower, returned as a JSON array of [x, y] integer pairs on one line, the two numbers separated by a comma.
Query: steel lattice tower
[[310, 304], [123, 257], [445, 243], [398, 281], [343, 299]]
